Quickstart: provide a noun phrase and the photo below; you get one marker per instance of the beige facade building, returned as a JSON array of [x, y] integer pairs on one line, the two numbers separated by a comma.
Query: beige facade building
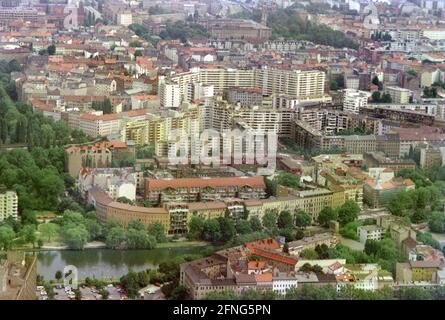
[[305, 85]]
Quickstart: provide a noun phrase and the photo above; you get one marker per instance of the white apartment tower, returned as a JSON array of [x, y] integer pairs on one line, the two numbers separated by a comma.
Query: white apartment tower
[[170, 96], [353, 100]]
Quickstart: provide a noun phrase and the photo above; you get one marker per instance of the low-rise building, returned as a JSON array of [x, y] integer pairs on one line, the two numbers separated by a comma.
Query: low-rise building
[[370, 232], [329, 239]]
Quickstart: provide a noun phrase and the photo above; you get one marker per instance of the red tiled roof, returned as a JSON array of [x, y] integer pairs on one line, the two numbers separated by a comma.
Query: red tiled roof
[[274, 256], [264, 277]]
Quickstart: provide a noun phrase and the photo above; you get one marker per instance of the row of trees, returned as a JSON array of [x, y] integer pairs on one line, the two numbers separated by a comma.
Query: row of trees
[[379, 97], [329, 292], [417, 205], [76, 229], [104, 106]]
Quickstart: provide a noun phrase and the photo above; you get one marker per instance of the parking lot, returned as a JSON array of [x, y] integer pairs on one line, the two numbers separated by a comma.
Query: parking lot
[[88, 293]]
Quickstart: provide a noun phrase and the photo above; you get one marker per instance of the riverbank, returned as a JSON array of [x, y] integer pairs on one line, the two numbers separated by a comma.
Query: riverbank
[[102, 245]]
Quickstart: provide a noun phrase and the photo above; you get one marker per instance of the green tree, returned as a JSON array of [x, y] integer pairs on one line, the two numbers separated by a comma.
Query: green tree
[[287, 179], [137, 225], [436, 222], [78, 294], [285, 220], [326, 215], [371, 247], [124, 200], [302, 219], [211, 230], [348, 212], [196, 227], [49, 230], [243, 226], [286, 248], [58, 275], [157, 230], [28, 234], [310, 292], [51, 50], [227, 228], [180, 293], [104, 293], [386, 98], [116, 237], [376, 96], [415, 293], [95, 229], [349, 230], [29, 217], [138, 239], [255, 224], [225, 295], [309, 254], [270, 221], [7, 236], [75, 236], [74, 217]]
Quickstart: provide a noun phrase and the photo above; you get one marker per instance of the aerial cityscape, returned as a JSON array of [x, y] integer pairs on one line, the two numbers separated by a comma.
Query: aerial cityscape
[[222, 150]]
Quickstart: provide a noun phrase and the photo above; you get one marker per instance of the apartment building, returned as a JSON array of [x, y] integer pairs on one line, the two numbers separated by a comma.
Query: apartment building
[[155, 128], [237, 29], [205, 189], [219, 115], [8, 204], [356, 144], [431, 157], [370, 232], [96, 155], [413, 137], [98, 124], [95, 125], [8, 15], [379, 160], [399, 95], [169, 95], [245, 97], [305, 85], [354, 100]]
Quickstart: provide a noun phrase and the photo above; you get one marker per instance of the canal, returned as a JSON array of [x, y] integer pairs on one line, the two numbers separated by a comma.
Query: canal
[[108, 263]]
